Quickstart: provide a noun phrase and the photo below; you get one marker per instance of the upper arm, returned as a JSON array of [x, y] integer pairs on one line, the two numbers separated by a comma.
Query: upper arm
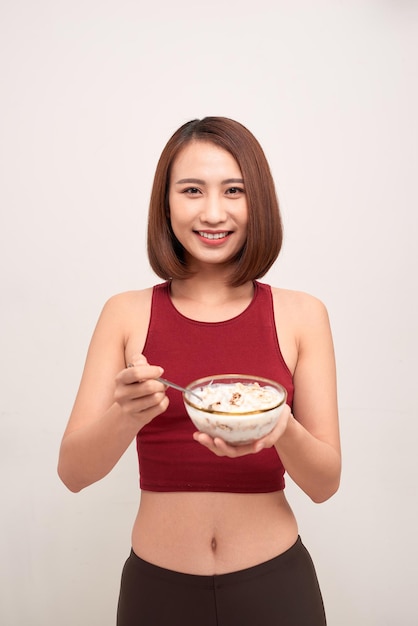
[[315, 396], [106, 356]]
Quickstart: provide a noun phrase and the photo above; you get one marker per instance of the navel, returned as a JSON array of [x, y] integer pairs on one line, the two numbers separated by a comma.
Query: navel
[[213, 544]]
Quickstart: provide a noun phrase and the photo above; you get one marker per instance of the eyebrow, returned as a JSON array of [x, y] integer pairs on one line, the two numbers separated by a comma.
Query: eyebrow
[[199, 181]]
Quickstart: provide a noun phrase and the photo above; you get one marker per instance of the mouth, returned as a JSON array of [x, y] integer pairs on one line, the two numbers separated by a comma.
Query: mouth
[[213, 236]]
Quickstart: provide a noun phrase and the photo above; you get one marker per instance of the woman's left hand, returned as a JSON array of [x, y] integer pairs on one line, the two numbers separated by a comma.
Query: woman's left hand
[[219, 447]]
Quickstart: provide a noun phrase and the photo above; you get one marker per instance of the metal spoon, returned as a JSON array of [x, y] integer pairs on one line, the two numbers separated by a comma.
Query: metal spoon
[[175, 386]]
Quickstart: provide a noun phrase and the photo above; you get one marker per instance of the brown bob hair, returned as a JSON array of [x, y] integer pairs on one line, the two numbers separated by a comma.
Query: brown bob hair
[[264, 229]]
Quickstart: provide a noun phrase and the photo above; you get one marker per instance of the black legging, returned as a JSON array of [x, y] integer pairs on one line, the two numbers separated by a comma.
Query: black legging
[[283, 591]]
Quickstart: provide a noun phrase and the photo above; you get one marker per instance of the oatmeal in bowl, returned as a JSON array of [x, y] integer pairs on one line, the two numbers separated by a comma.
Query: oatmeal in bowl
[[238, 408]]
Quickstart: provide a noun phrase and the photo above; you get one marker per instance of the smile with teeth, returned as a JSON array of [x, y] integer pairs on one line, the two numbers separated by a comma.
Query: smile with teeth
[[207, 235]]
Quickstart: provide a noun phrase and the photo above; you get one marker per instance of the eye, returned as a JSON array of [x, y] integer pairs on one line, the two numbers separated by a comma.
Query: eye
[[192, 191], [234, 191]]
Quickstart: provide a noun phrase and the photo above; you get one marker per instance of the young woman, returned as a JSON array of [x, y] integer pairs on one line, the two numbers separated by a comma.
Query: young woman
[[215, 541]]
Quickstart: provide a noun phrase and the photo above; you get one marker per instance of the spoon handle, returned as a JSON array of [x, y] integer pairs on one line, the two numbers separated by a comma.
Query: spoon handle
[[175, 386]]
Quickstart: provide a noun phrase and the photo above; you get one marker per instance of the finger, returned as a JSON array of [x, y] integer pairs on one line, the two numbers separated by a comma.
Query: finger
[[147, 397], [139, 373], [271, 438], [147, 412], [151, 402], [221, 448], [137, 359], [144, 390], [207, 441], [234, 451]]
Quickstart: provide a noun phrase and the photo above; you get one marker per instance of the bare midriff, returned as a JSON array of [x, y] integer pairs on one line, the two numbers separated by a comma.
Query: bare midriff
[[212, 533]]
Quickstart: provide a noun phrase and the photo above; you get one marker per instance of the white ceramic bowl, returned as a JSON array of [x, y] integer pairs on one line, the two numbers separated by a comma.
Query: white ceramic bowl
[[235, 424]]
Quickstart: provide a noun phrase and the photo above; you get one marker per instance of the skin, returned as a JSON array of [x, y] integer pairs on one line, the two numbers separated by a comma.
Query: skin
[[206, 533], [209, 202]]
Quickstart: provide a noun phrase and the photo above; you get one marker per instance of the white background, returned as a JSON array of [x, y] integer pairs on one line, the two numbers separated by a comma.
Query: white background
[[90, 92]]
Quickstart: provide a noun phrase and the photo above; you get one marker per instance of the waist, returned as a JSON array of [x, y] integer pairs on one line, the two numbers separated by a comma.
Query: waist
[[212, 533]]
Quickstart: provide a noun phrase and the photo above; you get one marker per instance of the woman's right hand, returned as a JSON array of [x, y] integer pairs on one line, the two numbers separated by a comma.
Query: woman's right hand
[[95, 439], [139, 395]]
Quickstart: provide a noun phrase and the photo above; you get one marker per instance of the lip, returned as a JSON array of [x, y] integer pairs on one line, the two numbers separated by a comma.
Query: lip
[[214, 237]]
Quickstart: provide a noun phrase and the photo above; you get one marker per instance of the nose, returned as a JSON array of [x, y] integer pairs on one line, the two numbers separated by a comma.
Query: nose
[[213, 210]]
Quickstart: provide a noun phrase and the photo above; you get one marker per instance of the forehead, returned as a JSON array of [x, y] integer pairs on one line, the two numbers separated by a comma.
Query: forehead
[[205, 158]]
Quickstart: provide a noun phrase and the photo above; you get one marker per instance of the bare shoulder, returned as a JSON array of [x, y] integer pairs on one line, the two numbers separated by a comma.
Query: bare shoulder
[[300, 306], [127, 314], [300, 318], [123, 315], [128, 300]]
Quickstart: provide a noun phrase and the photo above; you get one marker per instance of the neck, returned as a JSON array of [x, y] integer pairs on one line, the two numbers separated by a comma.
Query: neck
[[210, 290], [210, 301]]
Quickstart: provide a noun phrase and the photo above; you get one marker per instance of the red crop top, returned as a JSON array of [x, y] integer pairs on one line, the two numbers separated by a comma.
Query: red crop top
[[169, 458]]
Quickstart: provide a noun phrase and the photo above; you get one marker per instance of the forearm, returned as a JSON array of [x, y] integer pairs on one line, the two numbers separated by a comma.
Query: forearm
[[90, 452], [314, 465]]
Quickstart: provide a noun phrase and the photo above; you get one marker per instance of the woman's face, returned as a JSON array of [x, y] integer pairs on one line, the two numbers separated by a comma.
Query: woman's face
[[207, 204]]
